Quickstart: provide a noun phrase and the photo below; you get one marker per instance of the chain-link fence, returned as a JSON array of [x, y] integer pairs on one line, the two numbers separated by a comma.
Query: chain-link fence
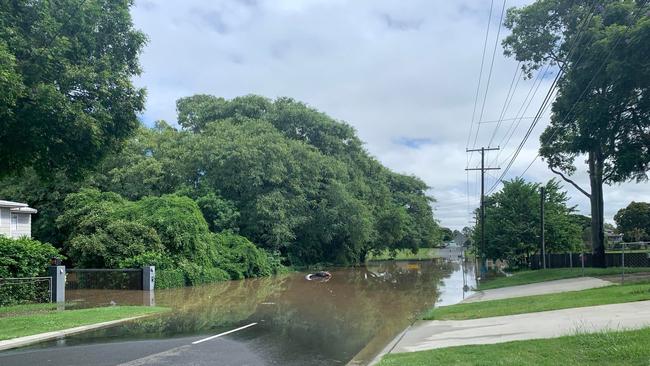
[[25, 290], [624, 257]]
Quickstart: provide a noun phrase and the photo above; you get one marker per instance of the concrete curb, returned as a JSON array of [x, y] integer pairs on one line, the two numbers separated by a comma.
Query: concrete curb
[[42, 337]]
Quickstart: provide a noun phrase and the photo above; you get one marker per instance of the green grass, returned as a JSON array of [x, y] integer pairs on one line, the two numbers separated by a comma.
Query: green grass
[[404, 254], [48, 321], [526, 277], [604, 348], [14, 310], [530, 304]]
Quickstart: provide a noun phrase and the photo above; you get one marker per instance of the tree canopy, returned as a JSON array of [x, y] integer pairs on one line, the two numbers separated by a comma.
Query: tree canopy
[[512, 225], [65, 75], [633, 221], [602, 107], [285, 176]]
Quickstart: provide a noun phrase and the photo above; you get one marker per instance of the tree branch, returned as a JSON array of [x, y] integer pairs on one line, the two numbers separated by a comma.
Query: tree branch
[[608, 176], [570, 181]]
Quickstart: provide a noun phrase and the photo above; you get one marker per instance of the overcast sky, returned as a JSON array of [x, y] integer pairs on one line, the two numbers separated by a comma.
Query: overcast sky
[[403, 73]]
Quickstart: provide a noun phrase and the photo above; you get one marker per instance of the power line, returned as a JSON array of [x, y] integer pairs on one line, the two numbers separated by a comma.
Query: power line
[[546, 100], [487, 86], [611, 51], [506, 103], [543, 107], [478, 86]]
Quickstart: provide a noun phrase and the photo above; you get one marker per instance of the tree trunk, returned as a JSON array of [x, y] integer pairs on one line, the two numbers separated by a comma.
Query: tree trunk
[[597, 212]]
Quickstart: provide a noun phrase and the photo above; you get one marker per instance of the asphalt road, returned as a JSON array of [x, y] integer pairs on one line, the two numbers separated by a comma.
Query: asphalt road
[[175, 351]]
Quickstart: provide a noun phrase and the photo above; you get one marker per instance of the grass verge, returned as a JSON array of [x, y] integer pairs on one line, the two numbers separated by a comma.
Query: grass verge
[[47, 321], [604, 348], [541, 275], [599, 296], [404, 254]]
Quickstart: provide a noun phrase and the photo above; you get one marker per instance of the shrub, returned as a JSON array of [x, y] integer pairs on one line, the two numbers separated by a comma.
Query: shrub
[[211, 274], [243, 258], [24, 258], [169, 278]]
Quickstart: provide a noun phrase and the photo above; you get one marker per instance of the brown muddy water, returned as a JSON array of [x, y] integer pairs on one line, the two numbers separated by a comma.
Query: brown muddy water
[[351, 317]]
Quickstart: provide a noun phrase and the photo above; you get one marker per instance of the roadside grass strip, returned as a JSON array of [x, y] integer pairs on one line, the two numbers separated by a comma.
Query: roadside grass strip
[[542, 275], [40, 320], [602, 348], [614, 294]]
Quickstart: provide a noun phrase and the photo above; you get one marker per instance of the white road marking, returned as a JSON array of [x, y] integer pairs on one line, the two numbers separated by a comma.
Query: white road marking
[[223, 334]]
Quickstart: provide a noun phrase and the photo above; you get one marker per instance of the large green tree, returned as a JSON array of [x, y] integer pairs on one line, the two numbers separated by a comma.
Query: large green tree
[[633, 221], [284, 175], [602, 108], [65, 74], [512, 223]]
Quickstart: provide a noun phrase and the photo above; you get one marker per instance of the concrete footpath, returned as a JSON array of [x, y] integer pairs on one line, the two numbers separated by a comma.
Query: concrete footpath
[[425, 335], [540, 288]]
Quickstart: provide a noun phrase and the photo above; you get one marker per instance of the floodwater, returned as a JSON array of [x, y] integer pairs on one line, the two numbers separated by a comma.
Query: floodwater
[[351, 317]]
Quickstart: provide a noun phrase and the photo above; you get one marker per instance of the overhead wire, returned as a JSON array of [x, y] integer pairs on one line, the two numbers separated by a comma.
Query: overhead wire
[[545, 102], [584, 91]]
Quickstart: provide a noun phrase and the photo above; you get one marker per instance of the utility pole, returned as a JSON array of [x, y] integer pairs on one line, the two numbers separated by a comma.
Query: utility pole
[[541, 208], [482, 216]]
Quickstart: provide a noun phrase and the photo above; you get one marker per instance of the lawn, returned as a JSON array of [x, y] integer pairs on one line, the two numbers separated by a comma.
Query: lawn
[[530, 304], [605, 348], [404, 254], [42, 319], [525, 277]]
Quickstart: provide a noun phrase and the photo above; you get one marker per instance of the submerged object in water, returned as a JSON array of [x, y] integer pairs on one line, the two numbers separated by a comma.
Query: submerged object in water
[[321, 276]]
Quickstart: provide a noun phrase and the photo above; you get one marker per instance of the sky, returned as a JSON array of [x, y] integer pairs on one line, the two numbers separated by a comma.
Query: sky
[[404, 74]]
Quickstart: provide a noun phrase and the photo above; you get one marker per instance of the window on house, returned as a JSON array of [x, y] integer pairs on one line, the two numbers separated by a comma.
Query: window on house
[[14, 222]]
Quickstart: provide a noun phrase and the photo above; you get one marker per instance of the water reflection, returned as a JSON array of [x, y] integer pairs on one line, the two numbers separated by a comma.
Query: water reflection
[[299, 322]]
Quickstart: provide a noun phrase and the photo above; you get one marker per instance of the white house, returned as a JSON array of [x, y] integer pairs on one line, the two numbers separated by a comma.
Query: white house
[[15, 219]]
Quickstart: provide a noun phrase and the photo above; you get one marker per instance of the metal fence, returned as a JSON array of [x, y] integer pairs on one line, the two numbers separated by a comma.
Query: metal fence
[[571, 260], [21, 290], [108, 279]]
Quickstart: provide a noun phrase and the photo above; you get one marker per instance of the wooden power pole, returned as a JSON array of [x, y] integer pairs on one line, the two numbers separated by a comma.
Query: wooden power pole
[[483, 168]]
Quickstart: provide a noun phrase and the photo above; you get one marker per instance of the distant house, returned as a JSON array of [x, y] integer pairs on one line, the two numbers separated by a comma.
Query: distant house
[[613, 237], [15, 219]]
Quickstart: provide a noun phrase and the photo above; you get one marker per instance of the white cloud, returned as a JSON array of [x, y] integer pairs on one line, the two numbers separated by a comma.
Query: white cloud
[[396, 71]]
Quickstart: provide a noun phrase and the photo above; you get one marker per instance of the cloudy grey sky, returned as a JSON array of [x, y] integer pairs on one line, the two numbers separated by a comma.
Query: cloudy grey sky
[[403, 73]]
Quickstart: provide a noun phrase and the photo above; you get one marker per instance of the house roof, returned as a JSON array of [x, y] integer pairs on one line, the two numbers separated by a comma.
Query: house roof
[[28, 210], [18, 207]]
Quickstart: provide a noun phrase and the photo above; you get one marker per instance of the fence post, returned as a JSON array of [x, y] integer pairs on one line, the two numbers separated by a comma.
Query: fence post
[[571, 260], [582, 260], [57, 275], [148, 278], [623, 264]]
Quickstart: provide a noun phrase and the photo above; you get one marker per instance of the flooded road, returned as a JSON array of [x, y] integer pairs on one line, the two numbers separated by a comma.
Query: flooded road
[[297, 322]]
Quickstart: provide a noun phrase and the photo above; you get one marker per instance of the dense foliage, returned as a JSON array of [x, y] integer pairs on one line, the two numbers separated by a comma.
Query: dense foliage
[[24, 258], [279, 174], [602, 107], [65, 74], [633, 221], [285, 176], [105, 230], [512, 225]]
